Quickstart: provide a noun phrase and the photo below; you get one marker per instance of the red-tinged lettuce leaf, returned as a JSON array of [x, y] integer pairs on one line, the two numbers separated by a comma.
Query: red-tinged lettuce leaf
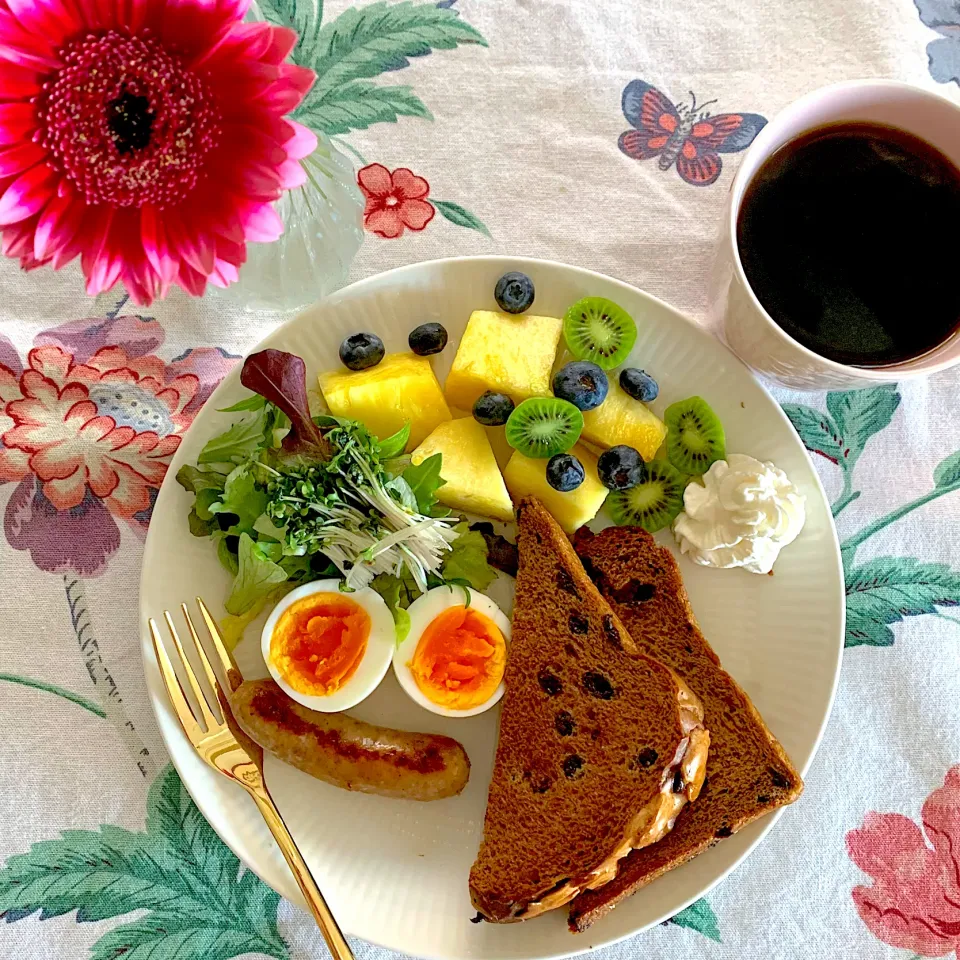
[[281, 379]]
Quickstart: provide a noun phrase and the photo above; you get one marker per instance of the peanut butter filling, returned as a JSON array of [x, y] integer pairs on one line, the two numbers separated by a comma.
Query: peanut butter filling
[[656, 818]]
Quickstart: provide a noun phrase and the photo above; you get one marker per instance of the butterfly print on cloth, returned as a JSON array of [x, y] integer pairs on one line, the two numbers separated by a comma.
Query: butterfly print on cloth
[[685, 135]]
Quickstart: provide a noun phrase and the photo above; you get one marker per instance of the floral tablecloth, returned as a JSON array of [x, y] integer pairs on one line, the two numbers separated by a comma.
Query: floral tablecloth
[[478, 126]]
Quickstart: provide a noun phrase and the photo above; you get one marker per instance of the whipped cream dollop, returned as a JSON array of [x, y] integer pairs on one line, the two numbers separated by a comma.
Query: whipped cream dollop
[[743, 515]]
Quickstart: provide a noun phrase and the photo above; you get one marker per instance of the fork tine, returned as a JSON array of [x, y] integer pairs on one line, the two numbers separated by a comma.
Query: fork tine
[[207, 668], [225, 658], [208, 718], [177, 698]]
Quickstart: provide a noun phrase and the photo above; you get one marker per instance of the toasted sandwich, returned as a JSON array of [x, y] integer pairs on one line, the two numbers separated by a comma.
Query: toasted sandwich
[[600, 745], [748, 772]]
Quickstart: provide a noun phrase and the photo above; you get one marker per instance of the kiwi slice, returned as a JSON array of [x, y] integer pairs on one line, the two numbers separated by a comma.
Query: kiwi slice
[[694, 436], [653, 503], [542, 427], [599, 330]]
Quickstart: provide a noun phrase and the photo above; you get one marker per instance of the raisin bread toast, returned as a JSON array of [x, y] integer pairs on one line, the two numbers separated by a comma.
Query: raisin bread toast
[[748, 773], [599, 748]]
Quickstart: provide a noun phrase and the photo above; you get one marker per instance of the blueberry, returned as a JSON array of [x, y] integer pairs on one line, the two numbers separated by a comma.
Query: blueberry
[[564, 472], [492, 409], [514, 292], [361, 351], [428, 339], [621, 468], [583, 383], [640, 385]]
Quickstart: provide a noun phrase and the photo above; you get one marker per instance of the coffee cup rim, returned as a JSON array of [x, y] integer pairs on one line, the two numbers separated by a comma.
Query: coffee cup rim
[[881, 374]]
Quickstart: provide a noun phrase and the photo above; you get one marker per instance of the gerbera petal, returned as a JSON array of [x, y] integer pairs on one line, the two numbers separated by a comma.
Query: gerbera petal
[[17, 122], [51, 18], [191, 242], [25, 48], [302, 78], [103, 273], [193, 282], [292, 174], [95, 227], [20, 157], [408, 186], [375, 180], [224, 274], [385, 223], [18, 83], [416, 214], [18, 238], [263, 225], [27, 194], [282, 41], [256, 39], [302, 143], [58, 224], [242, 141]]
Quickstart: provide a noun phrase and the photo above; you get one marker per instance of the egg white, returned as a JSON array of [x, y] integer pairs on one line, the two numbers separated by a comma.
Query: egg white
[[373, 665], [423, 611]]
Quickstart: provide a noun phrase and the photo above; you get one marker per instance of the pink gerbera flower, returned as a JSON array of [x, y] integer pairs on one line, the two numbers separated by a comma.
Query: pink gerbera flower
[[146, 137]]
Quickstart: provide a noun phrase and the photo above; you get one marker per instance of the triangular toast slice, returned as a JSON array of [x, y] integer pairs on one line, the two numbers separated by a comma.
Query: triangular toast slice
[[600, 746], [748, 772]]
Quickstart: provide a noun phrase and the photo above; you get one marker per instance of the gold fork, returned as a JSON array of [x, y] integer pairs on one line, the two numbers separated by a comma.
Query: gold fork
[[226, 748]]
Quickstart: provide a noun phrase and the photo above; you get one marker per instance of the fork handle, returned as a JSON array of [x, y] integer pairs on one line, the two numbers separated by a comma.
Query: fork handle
[[339, 949]]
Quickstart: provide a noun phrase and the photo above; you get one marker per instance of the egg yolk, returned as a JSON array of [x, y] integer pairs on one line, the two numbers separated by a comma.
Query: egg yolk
[[319, 641], [460, 658]]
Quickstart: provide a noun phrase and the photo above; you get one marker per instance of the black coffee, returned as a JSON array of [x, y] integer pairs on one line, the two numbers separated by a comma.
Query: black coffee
[[849, 237]]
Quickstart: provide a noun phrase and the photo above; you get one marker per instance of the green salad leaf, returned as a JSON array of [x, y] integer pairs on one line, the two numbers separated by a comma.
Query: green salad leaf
[[257, 576], [394, 445], [242, 441], [424, 480], [397, 597], [194, 480], [467, 560], [199, 527], [253, 402], [243, 497], [206, 498], [228, 559]]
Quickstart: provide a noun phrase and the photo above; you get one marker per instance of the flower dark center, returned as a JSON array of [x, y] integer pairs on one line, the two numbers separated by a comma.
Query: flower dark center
[[126, 122], [130, 121]]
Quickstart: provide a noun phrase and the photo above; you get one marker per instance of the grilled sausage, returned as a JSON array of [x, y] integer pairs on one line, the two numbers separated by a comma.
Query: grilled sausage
[[347, 752]]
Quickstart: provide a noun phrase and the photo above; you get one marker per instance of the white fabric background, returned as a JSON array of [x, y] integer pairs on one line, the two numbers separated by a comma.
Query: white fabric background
[[525, 136]]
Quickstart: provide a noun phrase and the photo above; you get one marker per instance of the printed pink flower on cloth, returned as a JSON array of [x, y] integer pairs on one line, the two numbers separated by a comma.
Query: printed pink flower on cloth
[[394, 200], [148, 138], [914, 902], [87, 430], [110, 425]]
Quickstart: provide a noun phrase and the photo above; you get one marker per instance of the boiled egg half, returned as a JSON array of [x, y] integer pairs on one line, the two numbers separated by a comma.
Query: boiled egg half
[[453, 657], [327, 649]]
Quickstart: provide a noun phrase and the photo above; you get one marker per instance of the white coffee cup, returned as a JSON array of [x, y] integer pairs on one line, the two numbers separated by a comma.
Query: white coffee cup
[[737, 315]]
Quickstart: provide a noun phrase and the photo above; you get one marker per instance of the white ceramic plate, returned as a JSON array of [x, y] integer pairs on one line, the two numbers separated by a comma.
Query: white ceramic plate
[[394, 871]]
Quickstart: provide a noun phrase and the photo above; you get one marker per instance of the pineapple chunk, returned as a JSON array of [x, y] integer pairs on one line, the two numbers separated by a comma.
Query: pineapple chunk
[[474, 483], [401, 388], [621, 419], [509, 354], [527, 477]]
